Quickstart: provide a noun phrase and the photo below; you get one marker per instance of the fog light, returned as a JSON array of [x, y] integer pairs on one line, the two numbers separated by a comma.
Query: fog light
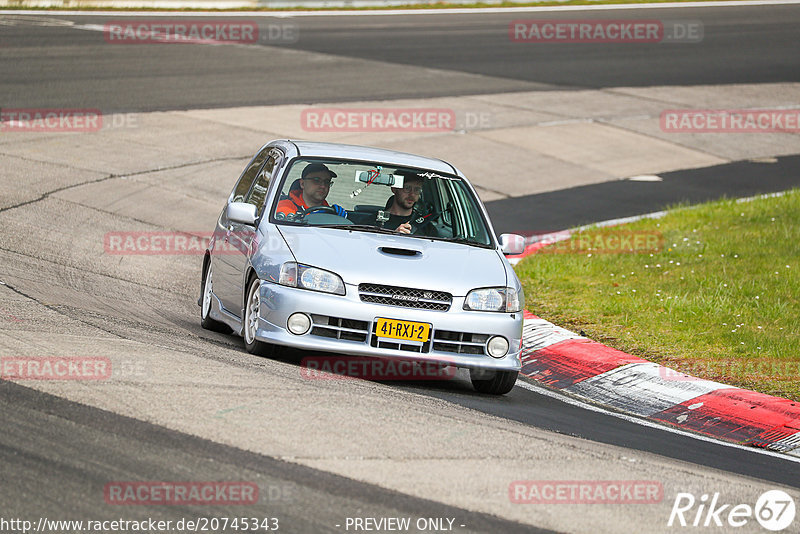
[[299, 323], [498, 347]]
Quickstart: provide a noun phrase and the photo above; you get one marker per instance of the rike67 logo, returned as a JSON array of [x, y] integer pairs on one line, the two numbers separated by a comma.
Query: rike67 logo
[[774, 510]]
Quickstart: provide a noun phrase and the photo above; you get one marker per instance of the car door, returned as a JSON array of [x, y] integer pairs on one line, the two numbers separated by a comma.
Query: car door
[[241, 236], [226, 277]]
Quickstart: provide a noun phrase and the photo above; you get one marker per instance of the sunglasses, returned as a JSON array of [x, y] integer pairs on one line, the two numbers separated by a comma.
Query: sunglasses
[[320, 181], [412, 189]]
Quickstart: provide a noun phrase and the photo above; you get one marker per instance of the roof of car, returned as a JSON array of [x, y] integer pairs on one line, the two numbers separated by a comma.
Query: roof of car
[[392, 157]]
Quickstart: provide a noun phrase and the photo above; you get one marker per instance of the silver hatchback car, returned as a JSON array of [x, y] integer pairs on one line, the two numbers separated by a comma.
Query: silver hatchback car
[[364, 252]]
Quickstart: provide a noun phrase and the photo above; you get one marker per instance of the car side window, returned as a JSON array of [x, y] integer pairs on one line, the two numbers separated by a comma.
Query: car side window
[[249, 176], [258, 192]]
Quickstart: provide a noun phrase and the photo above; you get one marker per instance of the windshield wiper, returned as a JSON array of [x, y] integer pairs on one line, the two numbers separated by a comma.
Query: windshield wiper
[[462, 240], [362, 227]]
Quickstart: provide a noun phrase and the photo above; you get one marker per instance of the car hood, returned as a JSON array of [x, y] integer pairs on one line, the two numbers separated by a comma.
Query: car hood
[[362, 257]]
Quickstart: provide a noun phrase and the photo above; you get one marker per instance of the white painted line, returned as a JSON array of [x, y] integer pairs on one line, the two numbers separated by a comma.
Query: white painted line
[[646, 178], [565, 121], [565, 234], [659, 214], [642, 388], [759, 197], [154, 36], [388, 12], [541, 390], [623, 220]]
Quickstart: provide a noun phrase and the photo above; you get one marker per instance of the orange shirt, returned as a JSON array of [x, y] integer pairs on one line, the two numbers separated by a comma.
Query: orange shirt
[[294, 203]]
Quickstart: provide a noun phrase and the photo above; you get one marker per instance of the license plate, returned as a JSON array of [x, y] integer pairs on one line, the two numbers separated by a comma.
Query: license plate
[[405, 330]]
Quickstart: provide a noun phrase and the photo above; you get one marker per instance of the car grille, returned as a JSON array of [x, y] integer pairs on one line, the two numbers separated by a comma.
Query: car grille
[[338, 328], [405, 297], [459, 342], [359, 331]]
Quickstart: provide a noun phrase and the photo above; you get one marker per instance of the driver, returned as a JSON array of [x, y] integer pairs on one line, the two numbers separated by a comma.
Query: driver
[[310, 191], [401, 207]]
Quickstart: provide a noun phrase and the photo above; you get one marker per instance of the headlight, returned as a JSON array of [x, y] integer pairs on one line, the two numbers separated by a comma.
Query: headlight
[[495, 299], [298, 275]]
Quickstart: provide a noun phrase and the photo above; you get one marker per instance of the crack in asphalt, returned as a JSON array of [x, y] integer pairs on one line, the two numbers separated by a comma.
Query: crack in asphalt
[[55, 308], [129, 218], [43, 196], [44, 162], [80, 315], [496, 192], [87, 271]]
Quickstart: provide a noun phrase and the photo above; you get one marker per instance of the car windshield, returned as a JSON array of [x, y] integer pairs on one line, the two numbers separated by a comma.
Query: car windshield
[[375, 197]]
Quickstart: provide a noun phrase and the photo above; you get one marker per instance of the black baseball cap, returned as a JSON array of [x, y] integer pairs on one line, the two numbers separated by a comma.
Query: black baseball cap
[[316, 167]]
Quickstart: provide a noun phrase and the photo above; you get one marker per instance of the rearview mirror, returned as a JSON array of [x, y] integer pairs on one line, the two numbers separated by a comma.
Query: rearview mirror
[[371, 177], [512, 244], [242, 213]]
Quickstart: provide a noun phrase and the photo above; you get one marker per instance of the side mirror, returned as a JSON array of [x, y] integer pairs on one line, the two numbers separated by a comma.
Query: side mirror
[[241, 212], [512, 244]]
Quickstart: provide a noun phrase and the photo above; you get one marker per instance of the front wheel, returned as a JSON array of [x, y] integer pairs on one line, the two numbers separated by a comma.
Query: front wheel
[[205, 305], [493, 382], [250, 326]]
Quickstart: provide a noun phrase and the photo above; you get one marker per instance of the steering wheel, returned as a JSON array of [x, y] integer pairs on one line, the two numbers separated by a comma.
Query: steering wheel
[[318, 209]]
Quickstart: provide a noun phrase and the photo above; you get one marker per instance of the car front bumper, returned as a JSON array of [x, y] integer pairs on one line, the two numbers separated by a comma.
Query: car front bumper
[[346, 325]]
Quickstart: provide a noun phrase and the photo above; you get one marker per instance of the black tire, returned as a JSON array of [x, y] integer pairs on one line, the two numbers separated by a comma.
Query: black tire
[[493, 382], [253, 345], [205, 305]]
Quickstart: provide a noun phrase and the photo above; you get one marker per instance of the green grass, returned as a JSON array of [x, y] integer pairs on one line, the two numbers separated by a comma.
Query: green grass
[[76, 5], [720, 300]]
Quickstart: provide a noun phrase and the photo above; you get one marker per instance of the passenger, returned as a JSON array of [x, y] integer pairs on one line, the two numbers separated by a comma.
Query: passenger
[[401, 208], [310, 191]]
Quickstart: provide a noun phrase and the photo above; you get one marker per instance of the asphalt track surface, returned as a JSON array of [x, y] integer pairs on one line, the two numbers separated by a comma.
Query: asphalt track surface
[[62, 452], [76, 450], [578, 206], [47, 64]]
